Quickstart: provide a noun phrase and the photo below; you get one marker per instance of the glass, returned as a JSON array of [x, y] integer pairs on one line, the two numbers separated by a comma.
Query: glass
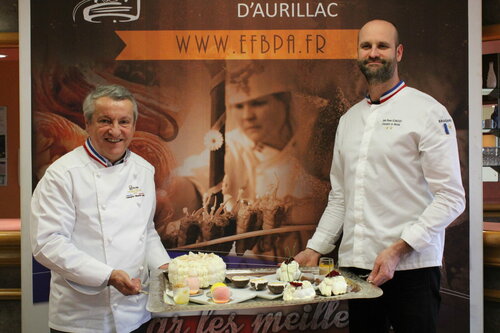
[[181, 293], [325, 265]]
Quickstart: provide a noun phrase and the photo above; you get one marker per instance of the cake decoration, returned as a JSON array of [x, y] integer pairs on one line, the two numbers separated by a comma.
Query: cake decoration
[[299, 290]]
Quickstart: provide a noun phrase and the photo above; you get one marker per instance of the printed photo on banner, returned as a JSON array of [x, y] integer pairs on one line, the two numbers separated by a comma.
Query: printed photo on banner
[[238, 104]]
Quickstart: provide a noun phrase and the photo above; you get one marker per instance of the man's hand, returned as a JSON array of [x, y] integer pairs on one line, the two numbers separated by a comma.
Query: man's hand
[[387, 261], [122, 282], [164, 266], [308, 258]]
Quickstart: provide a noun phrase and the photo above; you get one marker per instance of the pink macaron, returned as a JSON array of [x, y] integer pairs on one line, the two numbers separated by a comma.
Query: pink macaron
[[221, 294]]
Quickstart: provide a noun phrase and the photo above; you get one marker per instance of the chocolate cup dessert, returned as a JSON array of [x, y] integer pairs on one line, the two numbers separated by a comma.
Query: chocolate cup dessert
[[240, 281], [276, 287], [258, 284]]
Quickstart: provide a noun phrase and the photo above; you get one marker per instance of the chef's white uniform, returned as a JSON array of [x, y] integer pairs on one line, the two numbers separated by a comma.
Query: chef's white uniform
[[395, 175], [258, 170], [88, 219]]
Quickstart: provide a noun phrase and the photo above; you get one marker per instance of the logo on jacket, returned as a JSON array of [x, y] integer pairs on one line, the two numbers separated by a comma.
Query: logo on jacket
[[134, 191], [96, 11], [447, 125]]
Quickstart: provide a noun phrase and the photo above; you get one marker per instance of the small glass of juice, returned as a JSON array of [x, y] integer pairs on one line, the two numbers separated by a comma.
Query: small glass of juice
[[325, 265]]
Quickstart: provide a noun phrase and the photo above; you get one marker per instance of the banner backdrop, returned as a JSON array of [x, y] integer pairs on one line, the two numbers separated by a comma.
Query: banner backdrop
[[198, 68]]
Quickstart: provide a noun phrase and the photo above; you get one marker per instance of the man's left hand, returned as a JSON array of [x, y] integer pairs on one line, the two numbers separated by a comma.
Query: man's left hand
[[387, 261]]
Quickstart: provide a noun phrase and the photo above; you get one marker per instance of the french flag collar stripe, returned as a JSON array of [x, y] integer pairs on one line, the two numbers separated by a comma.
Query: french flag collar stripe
[[93, 153], [389, 93]]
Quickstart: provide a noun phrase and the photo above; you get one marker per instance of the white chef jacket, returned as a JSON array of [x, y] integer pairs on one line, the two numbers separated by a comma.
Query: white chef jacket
[[257, 170], [86, 220], [395, 175]]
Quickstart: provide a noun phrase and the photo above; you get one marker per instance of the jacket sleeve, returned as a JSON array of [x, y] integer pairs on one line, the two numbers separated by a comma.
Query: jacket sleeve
[[53, 216], [441, 167], [330, 225]]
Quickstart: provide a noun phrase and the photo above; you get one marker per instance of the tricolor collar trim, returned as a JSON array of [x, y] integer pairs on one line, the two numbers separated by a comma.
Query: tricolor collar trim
[[388, 94], [101, 159]]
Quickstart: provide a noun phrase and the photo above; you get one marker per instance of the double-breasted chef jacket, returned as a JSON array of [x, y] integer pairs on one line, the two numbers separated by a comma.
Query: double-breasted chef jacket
[[395, 175], [88, 219]]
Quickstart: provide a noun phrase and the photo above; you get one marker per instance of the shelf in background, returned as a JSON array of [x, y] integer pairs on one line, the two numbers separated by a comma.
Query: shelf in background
[[493, 93]]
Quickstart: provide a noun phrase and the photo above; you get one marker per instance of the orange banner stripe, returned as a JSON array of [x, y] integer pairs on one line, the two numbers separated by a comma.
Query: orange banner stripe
[[238, 44]]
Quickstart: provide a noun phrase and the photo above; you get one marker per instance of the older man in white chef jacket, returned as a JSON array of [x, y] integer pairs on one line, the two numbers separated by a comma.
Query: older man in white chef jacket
[[396, 185], [92, 223]]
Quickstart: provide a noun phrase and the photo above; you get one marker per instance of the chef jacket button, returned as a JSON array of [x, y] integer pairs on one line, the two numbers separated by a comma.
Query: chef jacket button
[[115, 305], [103, 207], [141, 268], [98, 175]]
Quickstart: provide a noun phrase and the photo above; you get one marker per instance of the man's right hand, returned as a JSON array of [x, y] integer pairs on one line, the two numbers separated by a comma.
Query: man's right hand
[[122, 282], [308, 258]]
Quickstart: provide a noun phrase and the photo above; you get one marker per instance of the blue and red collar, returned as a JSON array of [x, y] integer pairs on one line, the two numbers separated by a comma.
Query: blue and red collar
[[101, 159], [388, 94]]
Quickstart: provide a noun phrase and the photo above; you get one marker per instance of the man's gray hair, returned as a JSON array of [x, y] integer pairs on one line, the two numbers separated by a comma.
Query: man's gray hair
[[113, 91]]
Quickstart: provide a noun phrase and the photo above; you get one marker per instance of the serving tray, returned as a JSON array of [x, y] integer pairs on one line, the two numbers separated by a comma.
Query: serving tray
[[246, 298]]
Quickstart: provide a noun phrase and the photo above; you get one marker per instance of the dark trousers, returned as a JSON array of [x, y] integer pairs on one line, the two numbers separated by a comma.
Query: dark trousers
[[410, 304]]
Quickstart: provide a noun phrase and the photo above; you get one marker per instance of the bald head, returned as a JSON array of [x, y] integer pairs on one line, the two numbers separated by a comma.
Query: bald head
[[380, 27]]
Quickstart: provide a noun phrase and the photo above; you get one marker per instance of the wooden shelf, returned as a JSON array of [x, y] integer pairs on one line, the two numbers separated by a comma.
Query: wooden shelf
[[10, 294], [10, 248]]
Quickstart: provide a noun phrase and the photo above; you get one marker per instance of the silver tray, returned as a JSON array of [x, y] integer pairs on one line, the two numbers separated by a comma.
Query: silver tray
[[159, 283]]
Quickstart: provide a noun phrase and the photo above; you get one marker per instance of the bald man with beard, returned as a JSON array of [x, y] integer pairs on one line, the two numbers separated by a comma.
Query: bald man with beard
[[396, 186]]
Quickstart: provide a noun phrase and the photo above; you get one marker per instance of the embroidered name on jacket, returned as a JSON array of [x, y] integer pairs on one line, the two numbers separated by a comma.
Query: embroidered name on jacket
[[134, 191], [390, 123]]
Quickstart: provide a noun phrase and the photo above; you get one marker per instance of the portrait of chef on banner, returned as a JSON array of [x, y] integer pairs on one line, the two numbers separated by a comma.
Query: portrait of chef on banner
[[266, 185]]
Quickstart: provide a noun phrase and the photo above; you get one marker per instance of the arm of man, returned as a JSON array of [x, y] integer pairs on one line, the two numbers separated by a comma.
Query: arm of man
[[440, 162], [52, 224], [308, 258], [122, 282], [387, 261], [441, 167], [330, 225]]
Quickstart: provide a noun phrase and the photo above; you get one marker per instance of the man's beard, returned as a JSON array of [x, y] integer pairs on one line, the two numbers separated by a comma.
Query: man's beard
[[380, 75]]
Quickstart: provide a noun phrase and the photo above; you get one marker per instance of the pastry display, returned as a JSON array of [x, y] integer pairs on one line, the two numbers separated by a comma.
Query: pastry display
[[333, 284], [194, 284], [258, 283], [288, 271], [202, 225], [240, 281], [276, 287], [299, 290], [249, 218], [220, 293], [209, 268], [181, 293]]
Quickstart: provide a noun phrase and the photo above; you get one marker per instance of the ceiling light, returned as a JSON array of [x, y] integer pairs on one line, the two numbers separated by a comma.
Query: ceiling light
[[3, 56]]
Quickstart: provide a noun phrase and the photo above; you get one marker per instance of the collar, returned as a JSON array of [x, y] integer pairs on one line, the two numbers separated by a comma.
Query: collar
[[101, 159], [388, 94]]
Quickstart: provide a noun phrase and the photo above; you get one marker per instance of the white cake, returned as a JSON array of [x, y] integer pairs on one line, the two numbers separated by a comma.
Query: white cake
[[336, 285], [208, 267], [288, 272], [299, 290]]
